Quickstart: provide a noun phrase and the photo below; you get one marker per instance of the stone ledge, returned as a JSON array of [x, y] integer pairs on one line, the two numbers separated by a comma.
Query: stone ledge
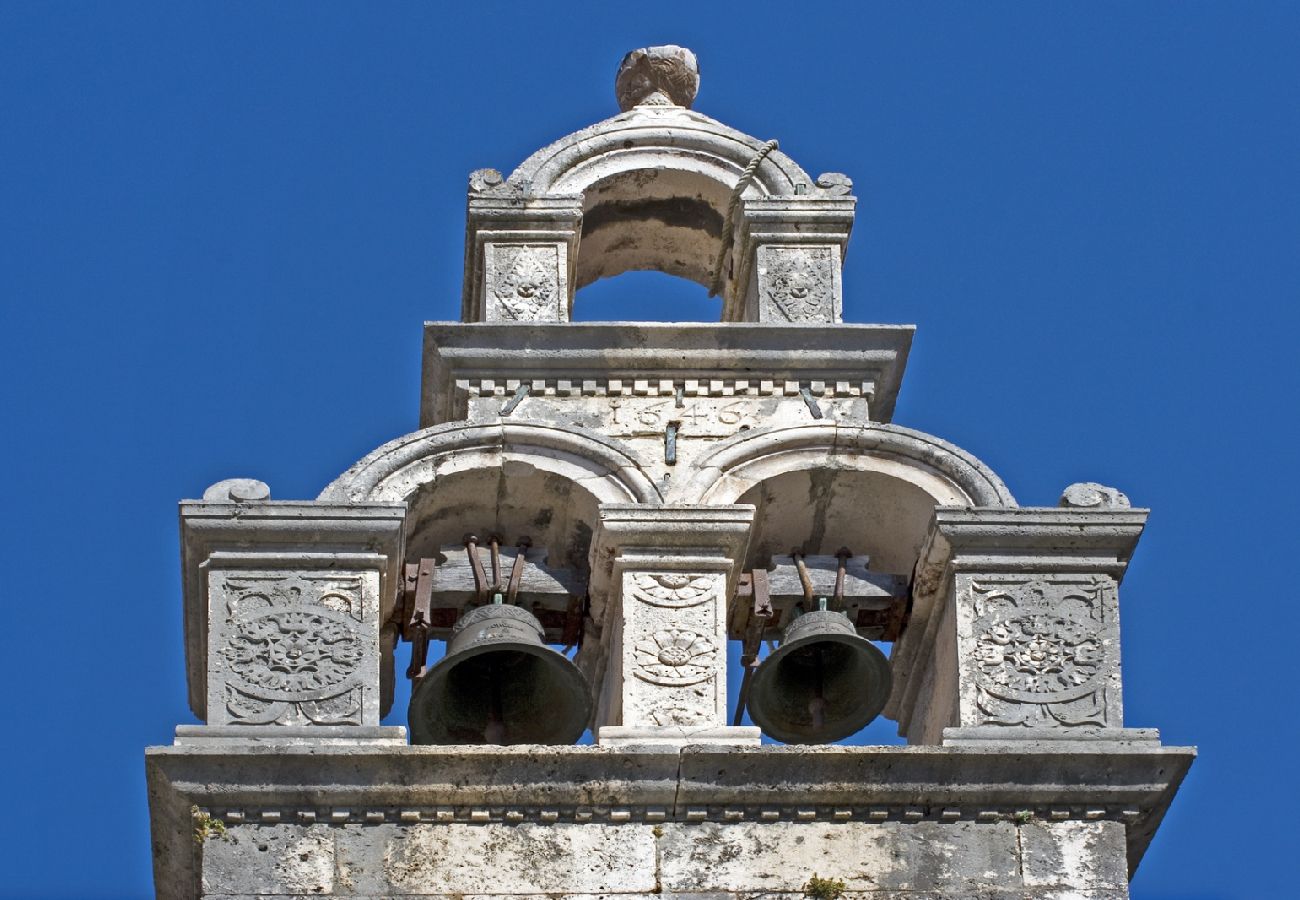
[[656, 352], [386, 785], [290, 735]]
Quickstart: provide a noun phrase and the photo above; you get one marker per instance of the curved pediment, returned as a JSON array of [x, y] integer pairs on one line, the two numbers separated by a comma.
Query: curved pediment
[[658, 187]]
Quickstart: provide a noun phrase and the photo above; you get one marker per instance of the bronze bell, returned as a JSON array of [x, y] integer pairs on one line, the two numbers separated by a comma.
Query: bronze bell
[[499, 684], [822, 684]]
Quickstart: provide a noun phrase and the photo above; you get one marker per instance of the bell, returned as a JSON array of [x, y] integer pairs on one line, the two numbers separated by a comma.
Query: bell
[[822, 684], [499, 684]]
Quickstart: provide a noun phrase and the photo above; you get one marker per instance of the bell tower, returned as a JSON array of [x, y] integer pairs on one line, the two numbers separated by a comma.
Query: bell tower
[[588, 517]]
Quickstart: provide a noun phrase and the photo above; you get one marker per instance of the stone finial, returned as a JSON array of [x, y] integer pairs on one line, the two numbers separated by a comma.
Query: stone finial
[[657, 76], [237, 490], [1090, 495]]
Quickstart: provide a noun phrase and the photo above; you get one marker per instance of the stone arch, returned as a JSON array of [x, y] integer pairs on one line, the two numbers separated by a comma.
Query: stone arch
[[822, 486], [655, 184], [518, 478], [651, 189]]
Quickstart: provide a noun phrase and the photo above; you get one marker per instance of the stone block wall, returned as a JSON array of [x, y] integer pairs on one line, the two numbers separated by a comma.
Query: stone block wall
[[1025, 858]]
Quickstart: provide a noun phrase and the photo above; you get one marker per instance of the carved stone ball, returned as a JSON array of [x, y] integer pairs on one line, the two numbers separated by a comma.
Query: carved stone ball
[[657, 76]]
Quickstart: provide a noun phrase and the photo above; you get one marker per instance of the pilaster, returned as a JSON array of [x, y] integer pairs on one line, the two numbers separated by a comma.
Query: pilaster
[[1014, 632], [790, 253], [284, 602], [667, 574], [519, 253]]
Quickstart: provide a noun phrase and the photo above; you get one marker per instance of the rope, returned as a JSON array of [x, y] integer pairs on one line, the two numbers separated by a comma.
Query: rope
[[746, 175]]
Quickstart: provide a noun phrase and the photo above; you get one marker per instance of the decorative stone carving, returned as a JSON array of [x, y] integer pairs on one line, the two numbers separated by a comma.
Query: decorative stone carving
[[675, 656], [484, 180], [293, 647], [672, 588], [657, 76], [1091, 495], [523, 282], [237, 490], [673, 629], [1040, 653], [835, 184], [797, 284]]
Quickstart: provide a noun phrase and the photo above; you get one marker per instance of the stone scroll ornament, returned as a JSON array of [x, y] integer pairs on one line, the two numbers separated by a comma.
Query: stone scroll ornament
[[1043, 652], [293, 650]]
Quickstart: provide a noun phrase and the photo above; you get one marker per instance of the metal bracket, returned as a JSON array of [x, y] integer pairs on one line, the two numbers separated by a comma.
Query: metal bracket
[[753, 583]]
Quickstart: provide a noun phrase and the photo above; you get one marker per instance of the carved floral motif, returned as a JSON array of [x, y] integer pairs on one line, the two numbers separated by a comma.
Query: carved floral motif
[[1042, 652], [675, 656], [524, 283], [294, 649], [799, 284], [673, 589]]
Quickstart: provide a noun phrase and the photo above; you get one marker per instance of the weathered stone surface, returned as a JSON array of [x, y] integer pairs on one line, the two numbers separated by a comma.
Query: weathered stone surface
[[866, 857], [730, 372], [237, 490], [997, 859], [496, 858], [1091, 495], [270, 859], [283, 604], [1025, 603], [373, 787], [667, 574], [1073, 855]]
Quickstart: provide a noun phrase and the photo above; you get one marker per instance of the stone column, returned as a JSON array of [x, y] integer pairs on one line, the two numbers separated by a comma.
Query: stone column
[[284, 602], [661, 581], [789, 255], [519, 253], [1014, 633]]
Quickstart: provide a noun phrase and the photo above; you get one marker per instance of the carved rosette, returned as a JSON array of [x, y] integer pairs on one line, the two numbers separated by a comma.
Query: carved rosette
[[673, 648], [1042, 653], [675, 656], [293, 648], [523, 283], [797, 284]]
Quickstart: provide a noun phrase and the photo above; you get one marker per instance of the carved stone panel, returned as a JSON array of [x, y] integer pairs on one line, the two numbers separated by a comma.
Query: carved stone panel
[[798, 284], [525, 282], [674, 649], [1039, 652], [293, 648]]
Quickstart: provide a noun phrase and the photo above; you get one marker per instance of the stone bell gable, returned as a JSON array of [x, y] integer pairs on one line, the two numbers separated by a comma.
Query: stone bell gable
[[605, 532]]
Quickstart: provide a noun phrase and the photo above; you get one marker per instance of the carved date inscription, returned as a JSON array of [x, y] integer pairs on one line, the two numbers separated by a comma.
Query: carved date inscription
[[698, 416]]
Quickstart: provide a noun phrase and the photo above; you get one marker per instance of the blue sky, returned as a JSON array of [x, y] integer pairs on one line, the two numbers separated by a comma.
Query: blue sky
[[221, 227]]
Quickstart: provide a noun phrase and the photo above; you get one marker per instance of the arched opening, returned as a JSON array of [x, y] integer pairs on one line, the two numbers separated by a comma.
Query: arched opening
[[816, 488], [644, 296], [658, 219]]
